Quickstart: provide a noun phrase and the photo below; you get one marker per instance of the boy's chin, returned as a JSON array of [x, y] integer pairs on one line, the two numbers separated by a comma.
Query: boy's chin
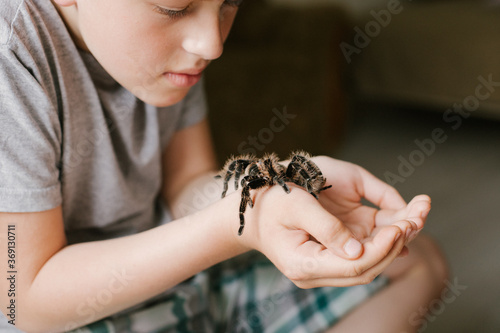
[[160, 99]]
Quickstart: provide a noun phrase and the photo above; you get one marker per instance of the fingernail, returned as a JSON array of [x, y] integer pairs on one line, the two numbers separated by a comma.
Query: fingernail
[[352, 248], [424, 214]]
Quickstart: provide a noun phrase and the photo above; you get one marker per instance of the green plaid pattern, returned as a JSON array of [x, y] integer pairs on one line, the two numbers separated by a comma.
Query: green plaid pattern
[[246, 294]]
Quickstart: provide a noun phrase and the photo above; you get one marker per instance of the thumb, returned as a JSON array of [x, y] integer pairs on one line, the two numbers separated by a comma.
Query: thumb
[[333, 234]]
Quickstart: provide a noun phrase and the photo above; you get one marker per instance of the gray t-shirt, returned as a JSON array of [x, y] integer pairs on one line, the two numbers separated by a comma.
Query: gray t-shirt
[[70, 135]]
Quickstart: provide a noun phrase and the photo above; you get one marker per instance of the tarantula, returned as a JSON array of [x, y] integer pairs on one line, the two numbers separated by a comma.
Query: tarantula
[[267, 171]]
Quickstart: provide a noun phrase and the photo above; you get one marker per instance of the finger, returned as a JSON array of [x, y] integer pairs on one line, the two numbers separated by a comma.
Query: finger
[[365, 278], [417, 211], [379, 247], [332, 234], [384, 248], [370, 274], [408, 227], [380, 193], [419, 206]]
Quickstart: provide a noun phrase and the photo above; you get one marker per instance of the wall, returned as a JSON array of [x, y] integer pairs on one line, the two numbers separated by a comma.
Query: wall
[[354, 7]]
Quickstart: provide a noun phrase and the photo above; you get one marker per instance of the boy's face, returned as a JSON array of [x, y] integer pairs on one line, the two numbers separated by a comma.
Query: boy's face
[[157, 49]]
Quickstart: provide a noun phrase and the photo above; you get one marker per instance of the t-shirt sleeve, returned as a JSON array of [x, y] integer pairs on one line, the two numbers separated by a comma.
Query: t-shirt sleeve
[[194, 108], [30, 140]]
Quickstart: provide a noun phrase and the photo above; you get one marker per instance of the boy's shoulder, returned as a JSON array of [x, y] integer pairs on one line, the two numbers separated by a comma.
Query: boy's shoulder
[[8, 13], [21, 20]]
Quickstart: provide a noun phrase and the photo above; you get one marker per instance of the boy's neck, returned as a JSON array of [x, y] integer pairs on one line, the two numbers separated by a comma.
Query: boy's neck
[[69, 15]]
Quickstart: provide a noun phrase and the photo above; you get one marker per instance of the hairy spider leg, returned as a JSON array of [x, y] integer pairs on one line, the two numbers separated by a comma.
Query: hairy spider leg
[[324, 188], [249, 183], [276, 178], [235, 168], [254, 170], [304, 166], [227, 177], [254, 173], [312, 166], [295, 168], [242, 165]]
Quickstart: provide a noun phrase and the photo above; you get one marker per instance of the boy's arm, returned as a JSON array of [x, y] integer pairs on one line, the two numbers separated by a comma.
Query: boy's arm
[[189, 166], [188, 157], [57, 287]]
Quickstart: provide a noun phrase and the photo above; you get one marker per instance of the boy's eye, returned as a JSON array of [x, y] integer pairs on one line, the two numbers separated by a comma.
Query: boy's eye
[[174, 14]]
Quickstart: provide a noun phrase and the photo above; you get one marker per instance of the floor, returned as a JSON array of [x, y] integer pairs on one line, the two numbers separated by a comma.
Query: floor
[[460, 170]]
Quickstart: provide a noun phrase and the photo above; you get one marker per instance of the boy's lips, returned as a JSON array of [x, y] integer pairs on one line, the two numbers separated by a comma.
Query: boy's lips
[[185, 78]]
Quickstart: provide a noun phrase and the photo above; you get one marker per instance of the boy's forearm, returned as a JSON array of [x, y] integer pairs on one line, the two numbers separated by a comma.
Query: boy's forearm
[[86, 282], [196, 195]]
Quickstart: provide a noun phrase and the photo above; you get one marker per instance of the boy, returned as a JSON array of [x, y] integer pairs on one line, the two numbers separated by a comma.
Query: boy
[[104, 141]]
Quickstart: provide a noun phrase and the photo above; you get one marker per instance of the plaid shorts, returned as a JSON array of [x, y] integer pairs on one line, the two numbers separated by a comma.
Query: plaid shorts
[[245, 294]]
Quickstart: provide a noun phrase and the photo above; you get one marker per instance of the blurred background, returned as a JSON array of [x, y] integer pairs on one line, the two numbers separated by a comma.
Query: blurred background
[[410, 90]]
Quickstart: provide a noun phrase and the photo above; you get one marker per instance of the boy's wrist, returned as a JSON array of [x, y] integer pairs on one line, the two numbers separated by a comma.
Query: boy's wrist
[[263, 211], [226, 211]]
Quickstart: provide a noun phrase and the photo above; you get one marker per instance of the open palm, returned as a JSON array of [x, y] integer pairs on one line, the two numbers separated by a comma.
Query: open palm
[[383, 206]]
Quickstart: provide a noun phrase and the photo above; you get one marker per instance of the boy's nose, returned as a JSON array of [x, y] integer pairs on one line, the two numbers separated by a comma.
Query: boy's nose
[[205, 38]]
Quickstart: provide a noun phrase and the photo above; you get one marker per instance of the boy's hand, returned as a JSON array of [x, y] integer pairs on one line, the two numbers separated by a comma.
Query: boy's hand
[[314, 242], [351, 184]]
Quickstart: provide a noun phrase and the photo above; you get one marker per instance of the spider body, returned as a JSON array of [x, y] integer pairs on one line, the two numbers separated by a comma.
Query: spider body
[[266, 172]]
